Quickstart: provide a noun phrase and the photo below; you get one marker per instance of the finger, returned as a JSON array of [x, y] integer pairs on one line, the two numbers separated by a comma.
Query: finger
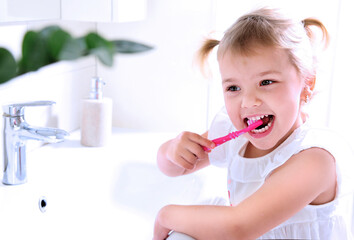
[[186, 165], [184, 162], [197, 151], [202, 141], [190, 156], [189, 160]]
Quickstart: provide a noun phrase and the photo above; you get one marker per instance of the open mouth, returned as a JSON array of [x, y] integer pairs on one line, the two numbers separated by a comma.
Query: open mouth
[[266, 119]]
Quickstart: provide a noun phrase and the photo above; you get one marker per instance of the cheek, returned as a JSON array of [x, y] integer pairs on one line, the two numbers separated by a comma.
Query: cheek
[[233, 110], [289, 105], [288, 95]]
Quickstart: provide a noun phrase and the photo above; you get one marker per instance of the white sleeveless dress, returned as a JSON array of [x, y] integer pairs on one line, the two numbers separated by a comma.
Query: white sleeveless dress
[[245, 175]]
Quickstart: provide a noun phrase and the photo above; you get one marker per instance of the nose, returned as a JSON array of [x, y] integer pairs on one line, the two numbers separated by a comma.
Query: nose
[[250, 99]]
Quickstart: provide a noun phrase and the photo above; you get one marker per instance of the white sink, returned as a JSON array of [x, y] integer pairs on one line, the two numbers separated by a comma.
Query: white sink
[[113, 192]]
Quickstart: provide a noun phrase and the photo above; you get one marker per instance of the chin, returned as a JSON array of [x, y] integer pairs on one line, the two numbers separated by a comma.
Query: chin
[[267, 146]]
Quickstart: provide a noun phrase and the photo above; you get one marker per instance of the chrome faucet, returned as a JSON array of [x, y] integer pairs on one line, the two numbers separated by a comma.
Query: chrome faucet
[[16, 132]]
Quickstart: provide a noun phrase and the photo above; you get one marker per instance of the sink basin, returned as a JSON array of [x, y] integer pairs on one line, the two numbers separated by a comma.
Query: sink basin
[[112, 192]]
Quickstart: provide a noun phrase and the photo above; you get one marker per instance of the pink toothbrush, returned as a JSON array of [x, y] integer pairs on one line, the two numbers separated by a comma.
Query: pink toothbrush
[[233, 135]]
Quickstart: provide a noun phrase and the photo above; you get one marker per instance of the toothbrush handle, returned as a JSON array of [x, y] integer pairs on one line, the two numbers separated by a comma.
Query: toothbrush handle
[[221, 140], [233, 135]]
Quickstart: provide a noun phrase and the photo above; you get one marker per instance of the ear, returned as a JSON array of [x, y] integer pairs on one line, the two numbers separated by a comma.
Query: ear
[[311, 82], [308, 89]]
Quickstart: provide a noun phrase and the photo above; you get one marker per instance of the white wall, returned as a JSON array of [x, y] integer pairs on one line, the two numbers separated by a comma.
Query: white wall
[[160, 89], [342, 97]]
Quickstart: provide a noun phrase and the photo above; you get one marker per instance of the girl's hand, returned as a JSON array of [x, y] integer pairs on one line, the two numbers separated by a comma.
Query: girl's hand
[[186, 150]]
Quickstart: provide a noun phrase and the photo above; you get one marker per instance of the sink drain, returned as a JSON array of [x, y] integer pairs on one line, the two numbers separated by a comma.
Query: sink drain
[[42, 204]]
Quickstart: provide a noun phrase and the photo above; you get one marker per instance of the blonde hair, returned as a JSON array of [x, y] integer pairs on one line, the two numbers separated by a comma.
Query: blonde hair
[[268, 27]]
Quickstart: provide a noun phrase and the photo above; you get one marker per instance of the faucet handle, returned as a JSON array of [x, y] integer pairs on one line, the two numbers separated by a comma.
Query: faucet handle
[[17, 109]]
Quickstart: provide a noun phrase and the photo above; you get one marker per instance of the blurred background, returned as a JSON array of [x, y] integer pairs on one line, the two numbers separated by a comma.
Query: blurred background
[[163, 89]]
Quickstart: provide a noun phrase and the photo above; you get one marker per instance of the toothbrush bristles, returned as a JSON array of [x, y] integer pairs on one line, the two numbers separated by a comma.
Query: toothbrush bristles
[[249, 122]]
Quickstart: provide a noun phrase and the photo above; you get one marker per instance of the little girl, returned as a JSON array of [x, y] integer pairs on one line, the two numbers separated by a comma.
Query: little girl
[[286, 179]]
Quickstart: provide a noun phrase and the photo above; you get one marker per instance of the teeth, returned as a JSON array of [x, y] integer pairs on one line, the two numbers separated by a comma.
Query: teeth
[[254, 119], [262, 129]]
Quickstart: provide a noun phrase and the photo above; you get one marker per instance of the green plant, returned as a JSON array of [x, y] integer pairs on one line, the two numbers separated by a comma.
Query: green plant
[[53, 44]]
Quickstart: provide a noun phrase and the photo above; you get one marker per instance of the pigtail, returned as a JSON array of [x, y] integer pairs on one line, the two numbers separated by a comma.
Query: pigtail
[[203, 53], [308, 22]]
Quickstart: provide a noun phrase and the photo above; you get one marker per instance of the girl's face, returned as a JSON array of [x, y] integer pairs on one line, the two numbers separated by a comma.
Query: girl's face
[[262, 85]]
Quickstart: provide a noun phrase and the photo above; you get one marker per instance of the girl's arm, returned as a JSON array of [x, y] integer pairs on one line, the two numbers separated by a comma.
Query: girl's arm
[[308, 177], [184, 154]]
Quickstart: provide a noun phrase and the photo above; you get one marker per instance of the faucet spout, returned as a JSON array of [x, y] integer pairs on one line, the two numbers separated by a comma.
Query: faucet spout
[[16, 133], [44, 134]]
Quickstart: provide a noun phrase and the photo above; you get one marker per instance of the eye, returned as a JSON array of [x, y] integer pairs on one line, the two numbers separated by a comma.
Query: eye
[[266, 82], [233, 88]]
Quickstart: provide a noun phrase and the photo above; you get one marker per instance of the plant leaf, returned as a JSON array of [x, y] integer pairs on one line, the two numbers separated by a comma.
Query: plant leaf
[[8, 66], [106, 57], [127, 46], [48, 31], [52, 44], [100, 47], [56, 41], [34, 53], [73, 49], [93, 40]]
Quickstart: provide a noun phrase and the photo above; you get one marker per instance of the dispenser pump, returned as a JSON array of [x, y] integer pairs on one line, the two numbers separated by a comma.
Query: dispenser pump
[[96, 88]]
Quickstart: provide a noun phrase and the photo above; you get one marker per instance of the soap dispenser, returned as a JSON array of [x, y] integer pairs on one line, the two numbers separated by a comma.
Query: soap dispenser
[[96, 116]]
